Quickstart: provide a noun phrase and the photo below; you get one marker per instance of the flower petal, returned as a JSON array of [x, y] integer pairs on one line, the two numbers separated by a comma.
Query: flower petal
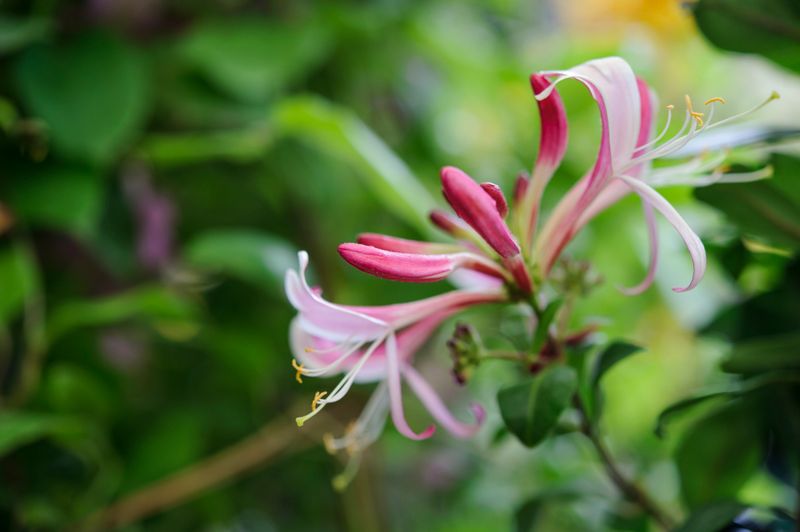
[[497, 195], [396, 394], [692, 241], [437, 408], [413, 267], [478, 209], [652, 234], [403, 245]]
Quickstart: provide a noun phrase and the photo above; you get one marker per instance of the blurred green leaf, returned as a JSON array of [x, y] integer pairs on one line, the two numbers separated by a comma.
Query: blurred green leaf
[[178, 149], [91, 91], [251, 256], [780, 353], [711, 517], [340, 133], [18, 428], [72, 389], [252, 58], [771, 27], [543, 325], [19, 278], [58, 197], [719, 453], [17, 33], [530, 410], [768, 209], [605, 360], [153, 303]]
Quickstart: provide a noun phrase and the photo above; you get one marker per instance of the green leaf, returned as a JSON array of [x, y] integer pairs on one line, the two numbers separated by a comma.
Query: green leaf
[[179, 149], [605, 360], [719, 453], [18, 428], [153, 303], [531, 410], [779, 352], [772, 27], [767, 209], [710, 517], [16, 34], [543, 325], [19, 278], [341, 134], [252, 58], [91, 91], [253, 257], [58, 197]]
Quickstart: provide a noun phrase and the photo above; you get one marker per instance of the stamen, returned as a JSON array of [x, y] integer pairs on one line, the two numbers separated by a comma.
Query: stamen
[[695, 114], [300, 369], [317, 398], [715, 99]]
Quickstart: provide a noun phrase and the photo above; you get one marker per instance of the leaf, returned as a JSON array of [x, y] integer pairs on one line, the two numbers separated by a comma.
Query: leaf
[[719, 453], [58, 197], [91, 91], [341, 134], [18, 428], [252, 58], [16, 34], [153, 303], [543, 325], [711, 517], [779, 352], [605, 360], [531, 410], [772, 27], [768, 209], [527, 515], [19, 278], [253, 257], [179, 149]]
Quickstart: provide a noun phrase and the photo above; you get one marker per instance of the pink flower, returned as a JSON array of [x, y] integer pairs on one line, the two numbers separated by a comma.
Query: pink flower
[[369, 344], [627, 149]]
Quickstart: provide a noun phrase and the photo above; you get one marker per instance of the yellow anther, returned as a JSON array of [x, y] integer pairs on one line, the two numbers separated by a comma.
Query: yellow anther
[[309, 349], [715, 99], [328, 441], [723, 168], [694, 114], [670, 107], [317, 398], [300, 369]]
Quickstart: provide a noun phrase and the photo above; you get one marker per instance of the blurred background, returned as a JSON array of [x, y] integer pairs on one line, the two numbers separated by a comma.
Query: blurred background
[[163, 161]]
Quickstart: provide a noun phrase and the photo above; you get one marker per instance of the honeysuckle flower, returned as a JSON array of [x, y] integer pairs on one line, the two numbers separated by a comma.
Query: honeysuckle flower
[[623, 165], [491, 261], [369, 344]]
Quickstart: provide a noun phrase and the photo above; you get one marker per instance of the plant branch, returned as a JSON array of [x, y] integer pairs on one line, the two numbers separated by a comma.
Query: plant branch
[[254, 451], [627, 487]]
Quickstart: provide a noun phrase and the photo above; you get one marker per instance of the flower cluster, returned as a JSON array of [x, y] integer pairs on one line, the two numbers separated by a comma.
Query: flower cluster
[[498, 257]]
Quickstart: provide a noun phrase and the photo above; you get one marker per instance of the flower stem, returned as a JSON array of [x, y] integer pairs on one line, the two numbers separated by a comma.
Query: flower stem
[[627, 487]]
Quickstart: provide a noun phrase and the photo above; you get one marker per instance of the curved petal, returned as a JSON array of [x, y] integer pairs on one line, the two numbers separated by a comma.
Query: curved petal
[[396, 394], [404, 245], [324, 318], [692, 241], [437, 408], [652, 234]]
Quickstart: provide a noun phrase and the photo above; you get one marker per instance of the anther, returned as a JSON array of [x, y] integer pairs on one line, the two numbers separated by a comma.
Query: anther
[[300, 369], [670, 107], [694, 114], [317, 398], [715, 99]]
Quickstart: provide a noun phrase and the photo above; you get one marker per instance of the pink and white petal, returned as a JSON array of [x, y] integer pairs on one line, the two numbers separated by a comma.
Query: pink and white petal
[[652, 235], [433, 403], [403, 314], [692, 241], [396, 394], [327, 319], [472, 280], [499, 198]]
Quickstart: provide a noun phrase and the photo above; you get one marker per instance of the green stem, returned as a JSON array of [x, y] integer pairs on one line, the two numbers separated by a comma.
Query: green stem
[[627, 487]]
